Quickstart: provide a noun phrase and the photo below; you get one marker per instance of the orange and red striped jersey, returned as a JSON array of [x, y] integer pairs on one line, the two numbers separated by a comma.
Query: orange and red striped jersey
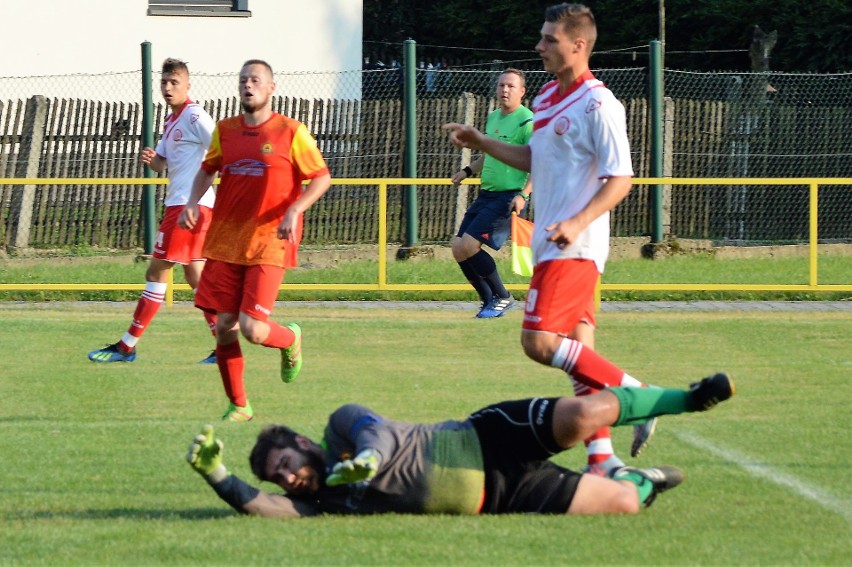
[[261, 169]]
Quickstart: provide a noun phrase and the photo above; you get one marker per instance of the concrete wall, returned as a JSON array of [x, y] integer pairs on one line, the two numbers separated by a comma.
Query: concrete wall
[[48, 38]]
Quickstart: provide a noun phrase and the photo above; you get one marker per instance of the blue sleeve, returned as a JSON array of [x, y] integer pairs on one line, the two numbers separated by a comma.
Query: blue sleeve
[[353, 428]]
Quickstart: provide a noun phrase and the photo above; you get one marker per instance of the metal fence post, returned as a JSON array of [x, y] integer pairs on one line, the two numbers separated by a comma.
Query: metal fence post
[[149, 205], [410, 109]]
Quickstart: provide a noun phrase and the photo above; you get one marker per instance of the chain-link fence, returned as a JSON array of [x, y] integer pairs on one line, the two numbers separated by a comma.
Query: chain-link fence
[[716, 125]]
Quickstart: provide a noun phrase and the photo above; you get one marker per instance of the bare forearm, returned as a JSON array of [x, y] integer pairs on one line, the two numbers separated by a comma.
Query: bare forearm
[[315, 189], [613, 191], [157, 164], [268, 505], [202, 181], [247, 499], [514, 155], [476, 164], [462, 136]]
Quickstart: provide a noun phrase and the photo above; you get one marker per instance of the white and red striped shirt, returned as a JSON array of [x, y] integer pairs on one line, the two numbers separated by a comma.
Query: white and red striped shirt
[[579, 140], [186, 137]]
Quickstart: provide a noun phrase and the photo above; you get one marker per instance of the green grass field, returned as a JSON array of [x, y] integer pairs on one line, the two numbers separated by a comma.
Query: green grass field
[[834, 269], [92, 468]]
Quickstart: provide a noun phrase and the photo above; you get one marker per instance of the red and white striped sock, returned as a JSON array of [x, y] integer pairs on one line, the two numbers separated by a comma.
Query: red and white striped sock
[[599, 444], [147, 306], [586, 366]]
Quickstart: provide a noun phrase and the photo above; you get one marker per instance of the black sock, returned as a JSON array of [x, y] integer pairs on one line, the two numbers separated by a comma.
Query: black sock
[[479, 284], [485, 266]]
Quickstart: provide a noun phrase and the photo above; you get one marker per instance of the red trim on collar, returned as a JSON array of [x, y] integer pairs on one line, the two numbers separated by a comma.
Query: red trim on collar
[[556, 97]]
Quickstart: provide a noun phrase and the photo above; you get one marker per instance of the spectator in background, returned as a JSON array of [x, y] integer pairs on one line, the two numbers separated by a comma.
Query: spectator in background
[[262, 158], [186, 136], [503, 189]]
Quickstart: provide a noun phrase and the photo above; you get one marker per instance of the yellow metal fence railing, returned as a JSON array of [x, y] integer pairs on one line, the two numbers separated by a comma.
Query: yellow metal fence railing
[[382, 284]]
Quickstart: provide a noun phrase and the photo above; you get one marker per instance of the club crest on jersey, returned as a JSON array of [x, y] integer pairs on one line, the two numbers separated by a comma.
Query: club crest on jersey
[[177, 135], [561, 125], [593, 105], [267, 148]]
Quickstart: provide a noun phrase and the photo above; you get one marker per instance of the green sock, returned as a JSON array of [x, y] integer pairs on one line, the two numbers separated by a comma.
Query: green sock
[[638, 405], [643, 485]]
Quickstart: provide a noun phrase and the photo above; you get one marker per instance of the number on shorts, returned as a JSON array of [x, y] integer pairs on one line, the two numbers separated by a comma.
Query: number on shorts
[[531, 297]]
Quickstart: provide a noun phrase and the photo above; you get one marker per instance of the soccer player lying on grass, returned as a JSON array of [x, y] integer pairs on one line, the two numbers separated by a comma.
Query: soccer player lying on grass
[[493, 462]]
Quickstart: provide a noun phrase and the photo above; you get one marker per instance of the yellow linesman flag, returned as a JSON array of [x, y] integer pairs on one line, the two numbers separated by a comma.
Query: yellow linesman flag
[[522, 260]]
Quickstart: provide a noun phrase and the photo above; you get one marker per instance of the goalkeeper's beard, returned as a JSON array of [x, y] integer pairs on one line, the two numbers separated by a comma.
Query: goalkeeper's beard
[[313, 457]]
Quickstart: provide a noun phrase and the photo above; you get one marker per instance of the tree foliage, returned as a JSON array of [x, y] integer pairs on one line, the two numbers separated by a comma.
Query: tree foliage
[[813, 36]]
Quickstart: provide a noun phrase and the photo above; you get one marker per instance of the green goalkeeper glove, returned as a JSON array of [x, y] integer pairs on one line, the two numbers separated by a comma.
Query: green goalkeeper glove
[[205, 456], [363, 467]]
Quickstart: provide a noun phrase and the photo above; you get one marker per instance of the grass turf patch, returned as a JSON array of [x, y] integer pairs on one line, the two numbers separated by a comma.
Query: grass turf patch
[[93, 467]]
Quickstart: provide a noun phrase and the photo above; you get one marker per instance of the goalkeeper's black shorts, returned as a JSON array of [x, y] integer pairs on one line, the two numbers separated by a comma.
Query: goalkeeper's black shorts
[[517, 441]]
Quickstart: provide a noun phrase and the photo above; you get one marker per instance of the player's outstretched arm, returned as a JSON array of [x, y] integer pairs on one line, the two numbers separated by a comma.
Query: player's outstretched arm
[[514, 155], [205, 457]]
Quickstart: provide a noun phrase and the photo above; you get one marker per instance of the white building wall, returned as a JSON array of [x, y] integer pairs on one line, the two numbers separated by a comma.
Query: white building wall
[[92, 48]]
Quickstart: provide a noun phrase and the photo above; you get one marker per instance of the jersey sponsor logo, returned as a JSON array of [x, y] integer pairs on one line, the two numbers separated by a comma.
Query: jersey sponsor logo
[[177, 135], [262, 309], [250, 133], [593, 105], [267, 148], [561, 125], [249, 167]]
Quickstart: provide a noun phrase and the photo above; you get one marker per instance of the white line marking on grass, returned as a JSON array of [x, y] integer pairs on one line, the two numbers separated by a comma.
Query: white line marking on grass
[[825, 499]]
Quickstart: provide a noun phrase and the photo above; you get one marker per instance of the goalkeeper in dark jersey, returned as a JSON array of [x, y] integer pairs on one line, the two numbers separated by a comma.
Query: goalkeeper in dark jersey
[[494, 462]]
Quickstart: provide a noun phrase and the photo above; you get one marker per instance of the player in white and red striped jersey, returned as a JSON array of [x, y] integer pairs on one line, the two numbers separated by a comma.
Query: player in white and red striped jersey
[[579, 159], [186, 136]]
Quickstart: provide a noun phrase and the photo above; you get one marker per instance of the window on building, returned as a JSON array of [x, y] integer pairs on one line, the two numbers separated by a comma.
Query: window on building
[[237, 8]]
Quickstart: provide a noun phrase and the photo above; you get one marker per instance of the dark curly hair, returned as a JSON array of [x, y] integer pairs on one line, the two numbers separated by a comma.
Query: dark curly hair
[[270, 437]]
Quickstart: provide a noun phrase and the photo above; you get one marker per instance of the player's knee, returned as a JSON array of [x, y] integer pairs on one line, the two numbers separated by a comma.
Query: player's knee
[[460, 252], [226, 325], [537, 347], [625, 501], [158, 271], [252, 334]]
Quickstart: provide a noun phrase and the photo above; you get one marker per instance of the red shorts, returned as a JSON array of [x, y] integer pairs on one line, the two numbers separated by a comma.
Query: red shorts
[[561, 295], [234, 288], [179, 245]]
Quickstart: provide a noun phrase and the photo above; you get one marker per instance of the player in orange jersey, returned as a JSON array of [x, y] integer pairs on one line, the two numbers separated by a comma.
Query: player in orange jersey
[[262, 158]]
